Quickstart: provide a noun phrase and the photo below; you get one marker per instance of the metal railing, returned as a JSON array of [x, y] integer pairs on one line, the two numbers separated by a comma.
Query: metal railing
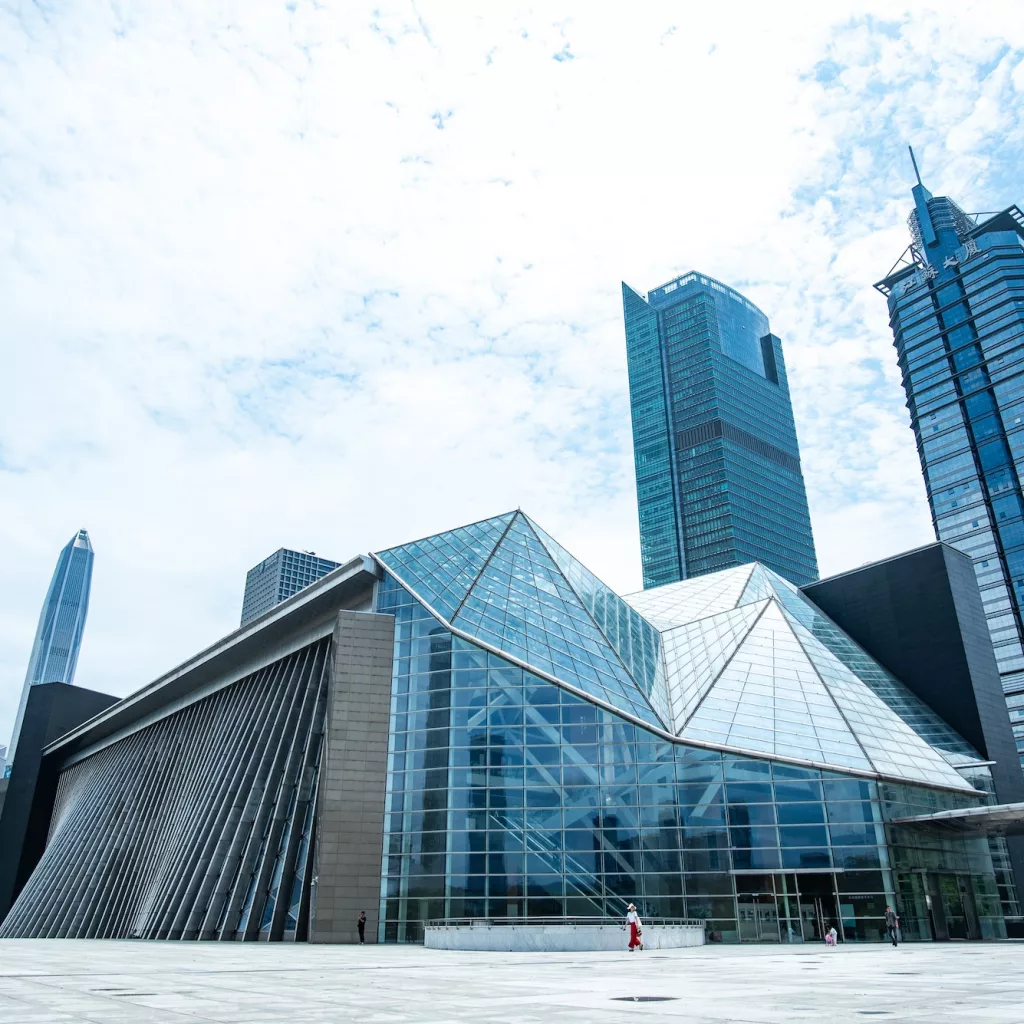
[[655, 922]]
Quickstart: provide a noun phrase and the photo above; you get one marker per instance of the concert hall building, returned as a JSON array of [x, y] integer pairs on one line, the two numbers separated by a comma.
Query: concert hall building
[[472, 725]]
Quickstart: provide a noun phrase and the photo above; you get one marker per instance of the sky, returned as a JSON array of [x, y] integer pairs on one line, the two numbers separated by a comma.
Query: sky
[[335, 276]]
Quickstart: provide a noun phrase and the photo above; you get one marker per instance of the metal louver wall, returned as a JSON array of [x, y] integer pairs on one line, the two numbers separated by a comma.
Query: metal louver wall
[[198, 826]]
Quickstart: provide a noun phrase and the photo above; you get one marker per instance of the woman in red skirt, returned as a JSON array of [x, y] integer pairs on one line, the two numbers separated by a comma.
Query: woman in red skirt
[[636, 928]]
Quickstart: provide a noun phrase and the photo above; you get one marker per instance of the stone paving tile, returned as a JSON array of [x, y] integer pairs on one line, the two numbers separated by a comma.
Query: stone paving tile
[[81, 982]]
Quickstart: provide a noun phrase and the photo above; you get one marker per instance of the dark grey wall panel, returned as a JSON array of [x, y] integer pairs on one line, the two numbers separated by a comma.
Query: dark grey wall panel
[[198, 826], [350, 830], [920, 614], [52, 709], [902, 612]]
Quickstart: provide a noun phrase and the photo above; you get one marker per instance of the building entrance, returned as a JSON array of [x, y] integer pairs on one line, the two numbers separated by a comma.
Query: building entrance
[[758, 914], [786, 907], [952, 911]]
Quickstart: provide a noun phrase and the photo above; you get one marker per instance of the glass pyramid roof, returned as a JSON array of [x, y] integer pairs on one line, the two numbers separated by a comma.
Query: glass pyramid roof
[[696, 653], [635, 640], [507, 590], [772, 674], [769, 698], [738, 659], [441, 569], [688, 600]]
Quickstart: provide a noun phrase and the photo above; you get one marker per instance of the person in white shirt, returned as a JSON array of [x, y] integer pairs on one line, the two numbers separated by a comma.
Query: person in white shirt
[[636, 928]]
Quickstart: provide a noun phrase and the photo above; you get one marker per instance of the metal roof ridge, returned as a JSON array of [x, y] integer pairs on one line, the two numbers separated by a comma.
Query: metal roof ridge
[[292, 605]]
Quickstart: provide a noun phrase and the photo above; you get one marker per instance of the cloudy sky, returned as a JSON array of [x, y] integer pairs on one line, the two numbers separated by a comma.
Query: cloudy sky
[[337, 275]]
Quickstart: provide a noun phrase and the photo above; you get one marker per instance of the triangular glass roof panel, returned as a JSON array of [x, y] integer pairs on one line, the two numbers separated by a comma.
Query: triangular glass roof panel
[[675, 604], [441, 569], [925, 724], [769, 699], [894, 746], [697, 652], [635, 640], [659, 694], [759, 586], [522, 604]]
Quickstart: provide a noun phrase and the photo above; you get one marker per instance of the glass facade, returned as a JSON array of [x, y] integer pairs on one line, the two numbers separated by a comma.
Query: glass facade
[[718, 471], [509, 592], [756, 666], [517, 789], [277, 577], [956, 307], [58, 637]]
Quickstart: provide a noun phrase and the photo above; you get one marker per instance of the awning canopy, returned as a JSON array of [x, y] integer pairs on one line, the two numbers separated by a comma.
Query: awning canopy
[[994, 820]]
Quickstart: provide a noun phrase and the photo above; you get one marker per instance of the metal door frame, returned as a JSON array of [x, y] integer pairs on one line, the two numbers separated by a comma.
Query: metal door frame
[[800, 898]]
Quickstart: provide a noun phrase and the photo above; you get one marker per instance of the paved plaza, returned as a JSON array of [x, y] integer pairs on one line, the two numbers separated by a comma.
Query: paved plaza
[[103, 982]]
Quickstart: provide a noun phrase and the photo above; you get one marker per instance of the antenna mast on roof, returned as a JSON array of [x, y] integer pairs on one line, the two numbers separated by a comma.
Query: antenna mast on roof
[[914, 162]]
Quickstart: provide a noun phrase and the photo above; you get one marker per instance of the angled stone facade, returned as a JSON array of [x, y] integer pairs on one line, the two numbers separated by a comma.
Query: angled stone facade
[[350, 818]]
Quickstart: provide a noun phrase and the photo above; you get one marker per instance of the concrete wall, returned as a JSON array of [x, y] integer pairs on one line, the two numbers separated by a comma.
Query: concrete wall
[[350, 833], [558, 938]]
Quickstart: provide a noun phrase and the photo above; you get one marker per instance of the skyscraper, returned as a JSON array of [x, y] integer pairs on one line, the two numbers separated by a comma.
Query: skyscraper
[[718, 473], [61, 623], [956, 307], [278, 576]]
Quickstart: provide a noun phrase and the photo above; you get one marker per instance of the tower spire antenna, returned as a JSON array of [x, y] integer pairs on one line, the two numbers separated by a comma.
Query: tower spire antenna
[[914, 162]]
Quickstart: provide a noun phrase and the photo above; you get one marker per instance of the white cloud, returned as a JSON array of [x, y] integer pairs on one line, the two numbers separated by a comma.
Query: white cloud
[[328, 277]]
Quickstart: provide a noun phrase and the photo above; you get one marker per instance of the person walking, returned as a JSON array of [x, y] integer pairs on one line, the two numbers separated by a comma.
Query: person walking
[[834, 936], [361, 925], [892, 923], [636, 928]]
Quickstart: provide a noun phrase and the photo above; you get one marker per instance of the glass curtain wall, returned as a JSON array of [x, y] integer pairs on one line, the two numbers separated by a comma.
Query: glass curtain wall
[[508, 796]]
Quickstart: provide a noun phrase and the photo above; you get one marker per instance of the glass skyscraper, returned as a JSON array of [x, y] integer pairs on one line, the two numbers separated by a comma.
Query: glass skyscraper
[[956, 306], [718, 472], [61, 623]]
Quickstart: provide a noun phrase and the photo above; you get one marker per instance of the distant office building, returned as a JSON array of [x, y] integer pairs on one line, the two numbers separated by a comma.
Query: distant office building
[[956, 307], [717, 463], [284, 573], [3, 762], [61, 623]]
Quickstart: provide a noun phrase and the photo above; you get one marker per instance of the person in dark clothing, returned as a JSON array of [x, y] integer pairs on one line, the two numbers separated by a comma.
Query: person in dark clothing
[[361, 925], [892, 923]]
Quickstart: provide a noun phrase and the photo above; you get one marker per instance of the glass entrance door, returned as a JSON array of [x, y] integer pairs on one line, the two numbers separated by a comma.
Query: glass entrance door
[[758, 915], [791, 907], [817, 898], [953, 907], [788, 901]]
